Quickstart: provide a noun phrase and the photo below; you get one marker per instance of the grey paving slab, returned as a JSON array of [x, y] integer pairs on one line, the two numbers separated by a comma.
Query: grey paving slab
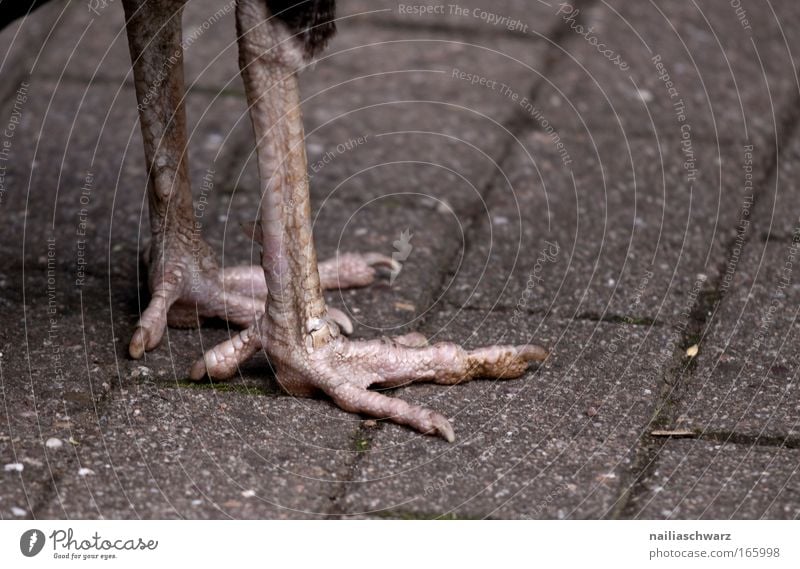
[[21, 42], [140, 428], [69, 132], [551, 444], [93, 45], [428, 239], [746, 377], [158, 452], [704, 480], [693, 71], [619, 232]]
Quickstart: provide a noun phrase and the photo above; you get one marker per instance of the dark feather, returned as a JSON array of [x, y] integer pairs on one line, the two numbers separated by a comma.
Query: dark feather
[[310, 21], [10, 10]]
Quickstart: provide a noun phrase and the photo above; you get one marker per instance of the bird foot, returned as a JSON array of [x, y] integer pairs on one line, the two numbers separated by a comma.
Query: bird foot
[[344, 370], [187, 286]]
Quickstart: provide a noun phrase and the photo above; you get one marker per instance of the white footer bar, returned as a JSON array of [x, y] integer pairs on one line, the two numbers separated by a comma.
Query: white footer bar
[[396, 544]]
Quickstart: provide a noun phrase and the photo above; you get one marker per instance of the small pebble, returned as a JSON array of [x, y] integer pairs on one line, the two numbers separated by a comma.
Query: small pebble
[[14, 467], [248, 493], [85, 472], [54, 443], [141, 371], [591, 412], [370, 423], [19, 512]]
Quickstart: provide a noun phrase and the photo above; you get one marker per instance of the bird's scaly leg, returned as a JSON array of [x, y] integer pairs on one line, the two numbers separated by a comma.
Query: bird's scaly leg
[[296, 331]]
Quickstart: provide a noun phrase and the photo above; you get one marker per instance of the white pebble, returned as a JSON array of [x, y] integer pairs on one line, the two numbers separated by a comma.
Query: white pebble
[[19, 512], [85, 472], [248, 493], [141, 371], [54, 443], [14, 467]]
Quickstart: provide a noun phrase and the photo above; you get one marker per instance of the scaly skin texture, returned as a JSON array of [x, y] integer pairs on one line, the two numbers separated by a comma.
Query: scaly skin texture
[[297, 332], [186, 282]]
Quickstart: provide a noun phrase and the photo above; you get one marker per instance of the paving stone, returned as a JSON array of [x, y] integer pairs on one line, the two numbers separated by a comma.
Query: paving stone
[[733, 82], [20, 44], [155, 452], [551, 444], [619, 233], [704, 480], [93, 46], [746, 377], [63, 140]]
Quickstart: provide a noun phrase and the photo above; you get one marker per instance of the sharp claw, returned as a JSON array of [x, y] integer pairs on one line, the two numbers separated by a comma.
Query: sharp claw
[[139, 342], [342, 320], [376, 260], [532, 353], [443, 427]]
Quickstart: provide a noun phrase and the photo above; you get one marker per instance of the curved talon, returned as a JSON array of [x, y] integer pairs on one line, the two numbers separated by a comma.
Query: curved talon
[[351, 397], [378, 260], [342, 320], [533, 353], [443, 427], [153, 321], [139, 343], [348, 270], [504, 362]]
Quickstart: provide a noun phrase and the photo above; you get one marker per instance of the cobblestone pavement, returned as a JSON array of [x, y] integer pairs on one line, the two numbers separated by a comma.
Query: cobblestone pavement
[[615, 180]]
